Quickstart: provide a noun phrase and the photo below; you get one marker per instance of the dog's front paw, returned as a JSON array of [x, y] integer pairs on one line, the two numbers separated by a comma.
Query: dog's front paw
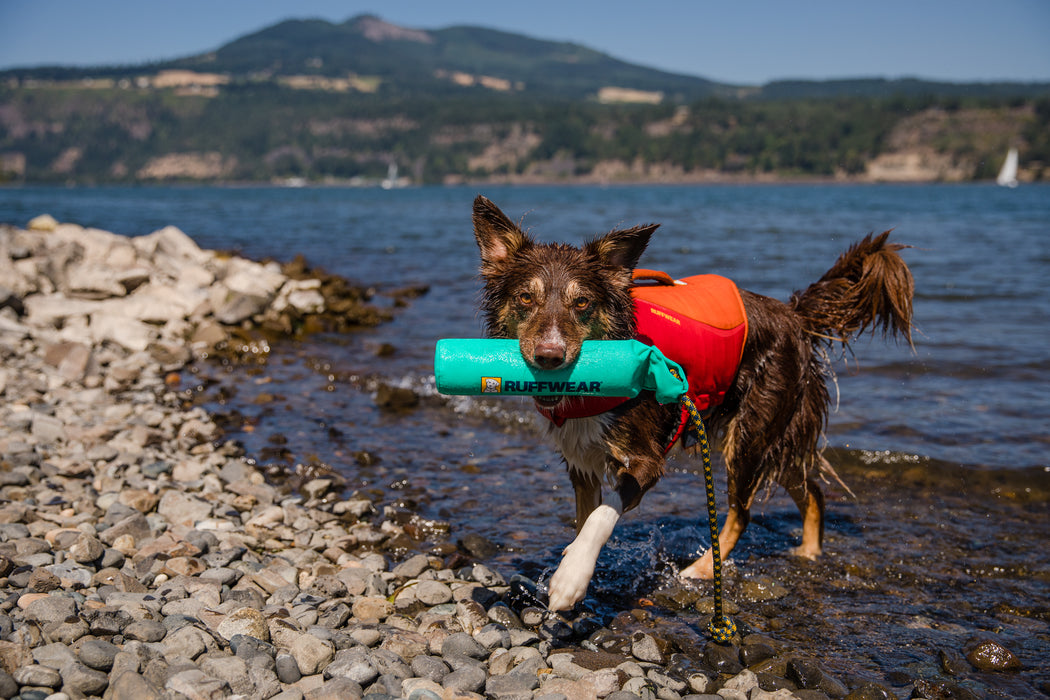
[[702, 568], [569, 584], [811, 553]]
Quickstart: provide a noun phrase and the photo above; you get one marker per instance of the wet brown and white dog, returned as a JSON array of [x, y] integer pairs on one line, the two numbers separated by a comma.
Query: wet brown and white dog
[[552, 297]]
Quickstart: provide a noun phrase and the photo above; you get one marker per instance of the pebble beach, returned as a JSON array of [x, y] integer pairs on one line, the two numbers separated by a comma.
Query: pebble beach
[[143, 556]]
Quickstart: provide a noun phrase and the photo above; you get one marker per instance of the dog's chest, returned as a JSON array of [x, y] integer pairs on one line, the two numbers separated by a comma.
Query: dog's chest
[[582, 443]]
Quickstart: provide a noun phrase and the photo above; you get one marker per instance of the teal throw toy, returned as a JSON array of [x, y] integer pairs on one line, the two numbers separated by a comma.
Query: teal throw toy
[[604, 368]]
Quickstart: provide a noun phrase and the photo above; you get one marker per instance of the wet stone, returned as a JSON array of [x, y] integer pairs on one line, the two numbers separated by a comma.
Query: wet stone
[[751, 654], [871, 691], [646, 647], [990, 655], [722, 659]]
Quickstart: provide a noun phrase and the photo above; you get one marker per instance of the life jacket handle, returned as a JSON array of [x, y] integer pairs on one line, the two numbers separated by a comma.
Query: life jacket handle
[[658, 276]]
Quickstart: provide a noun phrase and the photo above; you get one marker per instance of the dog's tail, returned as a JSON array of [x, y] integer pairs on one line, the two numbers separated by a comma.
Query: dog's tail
[[868, 286]]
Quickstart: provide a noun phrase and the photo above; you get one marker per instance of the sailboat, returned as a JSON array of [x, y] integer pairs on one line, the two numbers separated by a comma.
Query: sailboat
[[1008, 174], [392, 181]]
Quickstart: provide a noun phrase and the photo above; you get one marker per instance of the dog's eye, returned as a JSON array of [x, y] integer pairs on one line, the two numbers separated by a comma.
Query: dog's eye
[[525, 299], [582, 304]]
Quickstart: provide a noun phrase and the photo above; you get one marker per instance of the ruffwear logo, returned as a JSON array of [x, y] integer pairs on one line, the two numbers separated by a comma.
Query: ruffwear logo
[[491, 385]]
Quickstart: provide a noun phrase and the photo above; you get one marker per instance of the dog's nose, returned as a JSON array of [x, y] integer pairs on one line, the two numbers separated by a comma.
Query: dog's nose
[[549, 355]]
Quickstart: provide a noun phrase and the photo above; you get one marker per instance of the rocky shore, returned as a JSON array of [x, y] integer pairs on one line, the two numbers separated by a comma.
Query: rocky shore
[[143, 557]]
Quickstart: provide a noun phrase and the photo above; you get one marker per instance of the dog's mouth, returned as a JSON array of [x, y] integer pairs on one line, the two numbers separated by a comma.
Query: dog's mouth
[[548, 402]]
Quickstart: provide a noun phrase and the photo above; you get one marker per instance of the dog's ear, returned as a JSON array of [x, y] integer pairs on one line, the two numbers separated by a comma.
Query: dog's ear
[[498, 237], [622, 248]]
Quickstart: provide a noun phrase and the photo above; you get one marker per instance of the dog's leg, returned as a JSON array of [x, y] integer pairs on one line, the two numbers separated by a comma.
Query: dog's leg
[[810, 501], [736, 522], [570, 581], [634, 476], [588, 496]]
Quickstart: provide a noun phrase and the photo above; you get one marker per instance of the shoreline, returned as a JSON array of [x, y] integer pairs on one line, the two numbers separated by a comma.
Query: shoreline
[[141, 556], [526, 181]]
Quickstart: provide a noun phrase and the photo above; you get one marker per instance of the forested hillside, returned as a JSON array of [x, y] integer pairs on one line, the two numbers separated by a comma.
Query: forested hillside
[[319, 102]]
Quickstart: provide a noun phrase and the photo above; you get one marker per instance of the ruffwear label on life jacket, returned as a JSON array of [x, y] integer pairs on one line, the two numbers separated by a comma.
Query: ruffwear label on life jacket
[[496, 385]]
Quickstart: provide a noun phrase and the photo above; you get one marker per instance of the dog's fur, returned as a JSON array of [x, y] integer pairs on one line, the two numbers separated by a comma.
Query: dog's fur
[[552, 297]]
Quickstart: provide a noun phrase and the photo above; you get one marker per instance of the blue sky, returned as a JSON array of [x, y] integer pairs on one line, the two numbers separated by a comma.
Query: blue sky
[[743, 42]]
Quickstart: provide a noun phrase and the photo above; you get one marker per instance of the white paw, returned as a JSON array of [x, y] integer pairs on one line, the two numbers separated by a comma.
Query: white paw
[[569, 584], [810, 553]]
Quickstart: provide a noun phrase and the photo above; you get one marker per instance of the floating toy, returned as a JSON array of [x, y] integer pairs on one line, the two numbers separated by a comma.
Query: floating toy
[[610, 368]]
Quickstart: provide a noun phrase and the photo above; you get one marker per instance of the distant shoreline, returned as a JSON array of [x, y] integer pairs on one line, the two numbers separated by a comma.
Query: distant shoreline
[[515, 182]]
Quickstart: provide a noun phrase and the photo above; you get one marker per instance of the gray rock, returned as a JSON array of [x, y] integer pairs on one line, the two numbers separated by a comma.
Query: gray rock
[[430, 667], [469, 678], [336, 689], [493, 636], [188, 641], [132, 686], [54, 608], [86, 549], [81, 680], [98, 654], [182, 508], [8, 686], [511, 686], [310, 653], [54, 655], [246, 621], [106, 622], [353, 663], [245, 646], [134, 525], [196, 685], [37, 675], [389, 664], [231, 669], [288, 668], [462, 644], [387, 685], [412, 567], [433, 593], [145, 631], [48, 429]]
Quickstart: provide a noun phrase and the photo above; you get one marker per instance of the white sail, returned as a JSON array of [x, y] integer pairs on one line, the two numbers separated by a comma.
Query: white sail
[[392, 181], [1008, 174]]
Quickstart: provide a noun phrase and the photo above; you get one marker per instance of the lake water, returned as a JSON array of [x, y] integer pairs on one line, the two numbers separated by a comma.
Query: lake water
[[973, 392], [946, 445]]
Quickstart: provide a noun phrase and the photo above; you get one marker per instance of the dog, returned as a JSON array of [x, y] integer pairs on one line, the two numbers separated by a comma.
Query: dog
[[769, 425]]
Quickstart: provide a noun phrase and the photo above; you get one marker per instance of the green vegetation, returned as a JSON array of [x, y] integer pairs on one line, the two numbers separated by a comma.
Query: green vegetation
[[342, 102], [262, 132]]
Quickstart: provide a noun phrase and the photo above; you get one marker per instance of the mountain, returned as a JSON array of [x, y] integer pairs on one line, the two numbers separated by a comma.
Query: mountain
[[368, 54], [391, 60], [346, 103]]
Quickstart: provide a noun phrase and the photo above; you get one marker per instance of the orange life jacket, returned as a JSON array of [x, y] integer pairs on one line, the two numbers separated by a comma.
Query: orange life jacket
[[699, 322]]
